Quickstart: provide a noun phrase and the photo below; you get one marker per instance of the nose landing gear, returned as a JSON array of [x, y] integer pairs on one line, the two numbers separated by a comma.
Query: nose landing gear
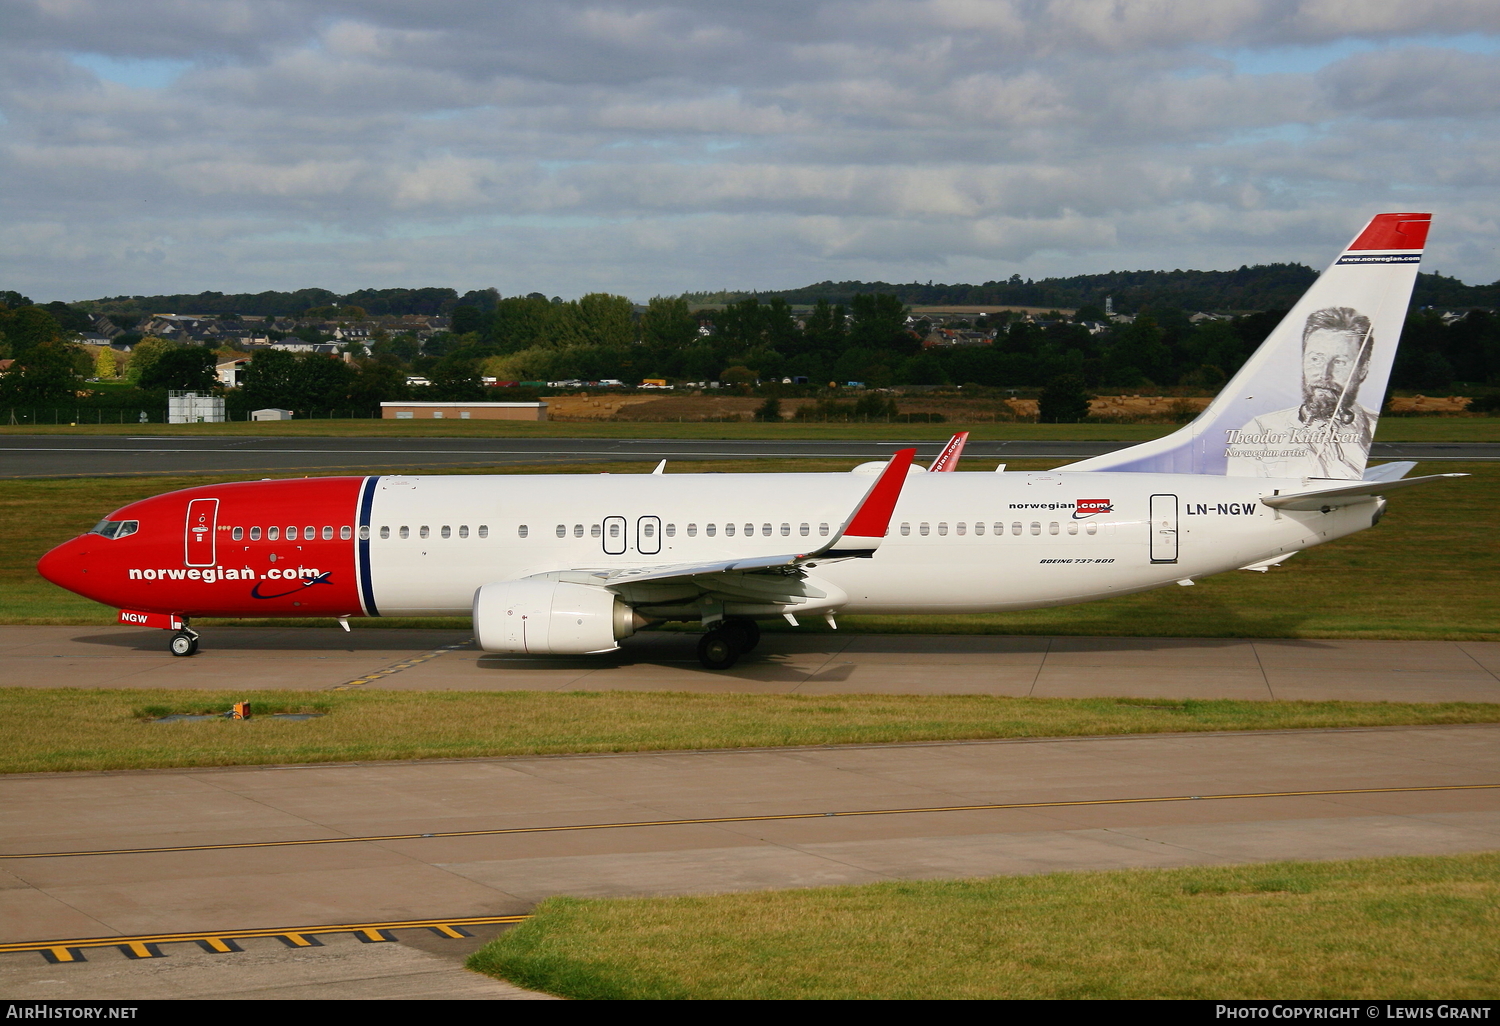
[[184, 642], [722, 647]]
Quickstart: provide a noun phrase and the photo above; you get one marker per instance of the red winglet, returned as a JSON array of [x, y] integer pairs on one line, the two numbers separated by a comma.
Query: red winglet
[[874, 514], [1394, 231], [947, 460]]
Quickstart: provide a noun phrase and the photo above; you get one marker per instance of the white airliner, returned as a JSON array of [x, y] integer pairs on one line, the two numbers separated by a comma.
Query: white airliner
[[572, 564]]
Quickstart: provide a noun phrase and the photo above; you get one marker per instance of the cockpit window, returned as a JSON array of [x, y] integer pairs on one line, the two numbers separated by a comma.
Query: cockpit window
[[116, 528]]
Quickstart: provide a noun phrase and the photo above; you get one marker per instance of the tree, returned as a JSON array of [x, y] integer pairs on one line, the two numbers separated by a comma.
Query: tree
[[1065, 400], [181, 368], [668, 324], [770, 410], [45, 374], [144, 354]]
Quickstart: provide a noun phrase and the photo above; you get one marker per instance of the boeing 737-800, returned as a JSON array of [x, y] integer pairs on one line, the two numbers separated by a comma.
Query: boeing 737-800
[[572, 564]]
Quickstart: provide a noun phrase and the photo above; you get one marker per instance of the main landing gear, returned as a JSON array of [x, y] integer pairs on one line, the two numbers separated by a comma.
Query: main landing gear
[[722, 647], [184, 642]]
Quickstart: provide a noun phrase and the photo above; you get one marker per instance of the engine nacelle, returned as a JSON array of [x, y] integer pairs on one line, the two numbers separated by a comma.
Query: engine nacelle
[[550, 617]]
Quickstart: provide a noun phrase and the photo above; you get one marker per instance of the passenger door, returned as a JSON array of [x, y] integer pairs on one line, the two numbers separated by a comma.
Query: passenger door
[[202, 526]]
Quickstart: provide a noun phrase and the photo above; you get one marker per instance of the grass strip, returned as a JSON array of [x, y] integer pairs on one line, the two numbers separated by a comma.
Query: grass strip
[[1425, 573], [1390, 429], [46, 729], [1419, 927]]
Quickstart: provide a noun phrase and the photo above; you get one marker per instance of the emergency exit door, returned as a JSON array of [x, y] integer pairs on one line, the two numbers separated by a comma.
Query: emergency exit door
[[1163, 528]]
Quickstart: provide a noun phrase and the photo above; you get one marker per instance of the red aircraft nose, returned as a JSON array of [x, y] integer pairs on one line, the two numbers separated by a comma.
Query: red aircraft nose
[[65, 566]]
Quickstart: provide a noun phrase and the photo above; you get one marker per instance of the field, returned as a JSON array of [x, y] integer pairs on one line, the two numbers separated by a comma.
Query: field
[[1366, 929], [1427, 572], [1391, 429], [57, 729]]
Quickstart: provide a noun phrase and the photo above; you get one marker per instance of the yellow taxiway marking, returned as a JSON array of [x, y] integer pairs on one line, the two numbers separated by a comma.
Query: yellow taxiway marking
[[707, 820], [140, 946], [405, 664]]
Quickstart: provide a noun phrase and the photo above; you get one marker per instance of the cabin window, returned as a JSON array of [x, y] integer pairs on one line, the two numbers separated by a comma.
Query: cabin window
[[692, 530], [1092, 528], [447, 531], [463, 530], [905, 530], [484, 530], [364, 532], [1072, 528], [671, 530], [729, 530], [943, 529], [1015, 528], [238, 534], [1036, 528], [823, 530], [804, 530], [709, 529], [924, 529], [404, 532], [425, 531], [786, 530], [273, 533], [344, 533], [291, 534], [522, 531], [562, 530], [959, 529], [328, 533], [577, 530], [978, 528], [648, 529], [1052, 527], [309, 533], [750, 529], [614, 529], [999, 529], [596, 531], [765, 530], [255, 534], [385, 532]]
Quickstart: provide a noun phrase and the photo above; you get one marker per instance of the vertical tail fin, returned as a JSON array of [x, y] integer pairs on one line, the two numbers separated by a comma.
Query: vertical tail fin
[[947, 460], [1306, 403]]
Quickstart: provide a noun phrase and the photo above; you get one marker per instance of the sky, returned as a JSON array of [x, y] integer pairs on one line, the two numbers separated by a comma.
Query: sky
[[646, 148]]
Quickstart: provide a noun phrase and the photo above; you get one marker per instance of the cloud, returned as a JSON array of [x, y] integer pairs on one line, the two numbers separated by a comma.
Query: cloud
[[648, 147]]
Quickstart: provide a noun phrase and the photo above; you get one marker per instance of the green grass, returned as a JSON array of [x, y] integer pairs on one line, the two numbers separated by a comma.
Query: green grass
[[54, 729], [1427, 572], [1366, 929], [1391, 429]]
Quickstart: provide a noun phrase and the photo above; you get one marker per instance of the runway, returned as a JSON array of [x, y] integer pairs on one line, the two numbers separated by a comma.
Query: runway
[[709, 822], [49, 456], [318, 659]]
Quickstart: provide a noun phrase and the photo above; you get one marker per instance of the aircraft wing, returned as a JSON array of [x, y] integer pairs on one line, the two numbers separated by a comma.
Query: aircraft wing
[[858, 537], [1347, 495]]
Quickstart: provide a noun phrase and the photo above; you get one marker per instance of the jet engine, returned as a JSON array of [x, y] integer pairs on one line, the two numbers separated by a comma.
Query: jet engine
[[551, 617]]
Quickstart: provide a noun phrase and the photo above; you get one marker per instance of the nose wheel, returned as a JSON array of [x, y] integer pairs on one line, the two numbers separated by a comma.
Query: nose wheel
[[722, 647], [183, 643]]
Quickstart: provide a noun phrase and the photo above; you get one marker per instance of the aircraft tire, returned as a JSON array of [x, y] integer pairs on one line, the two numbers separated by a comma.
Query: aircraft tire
[[745, 633], [717, 650], [183, 644]]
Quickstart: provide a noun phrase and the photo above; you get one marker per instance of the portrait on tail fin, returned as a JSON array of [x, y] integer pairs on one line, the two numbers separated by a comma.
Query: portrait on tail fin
[[1328, 434]]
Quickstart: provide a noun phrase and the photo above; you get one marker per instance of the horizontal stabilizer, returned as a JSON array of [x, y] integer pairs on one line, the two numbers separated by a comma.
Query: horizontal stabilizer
[[1390, 471], [1346, 495]]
